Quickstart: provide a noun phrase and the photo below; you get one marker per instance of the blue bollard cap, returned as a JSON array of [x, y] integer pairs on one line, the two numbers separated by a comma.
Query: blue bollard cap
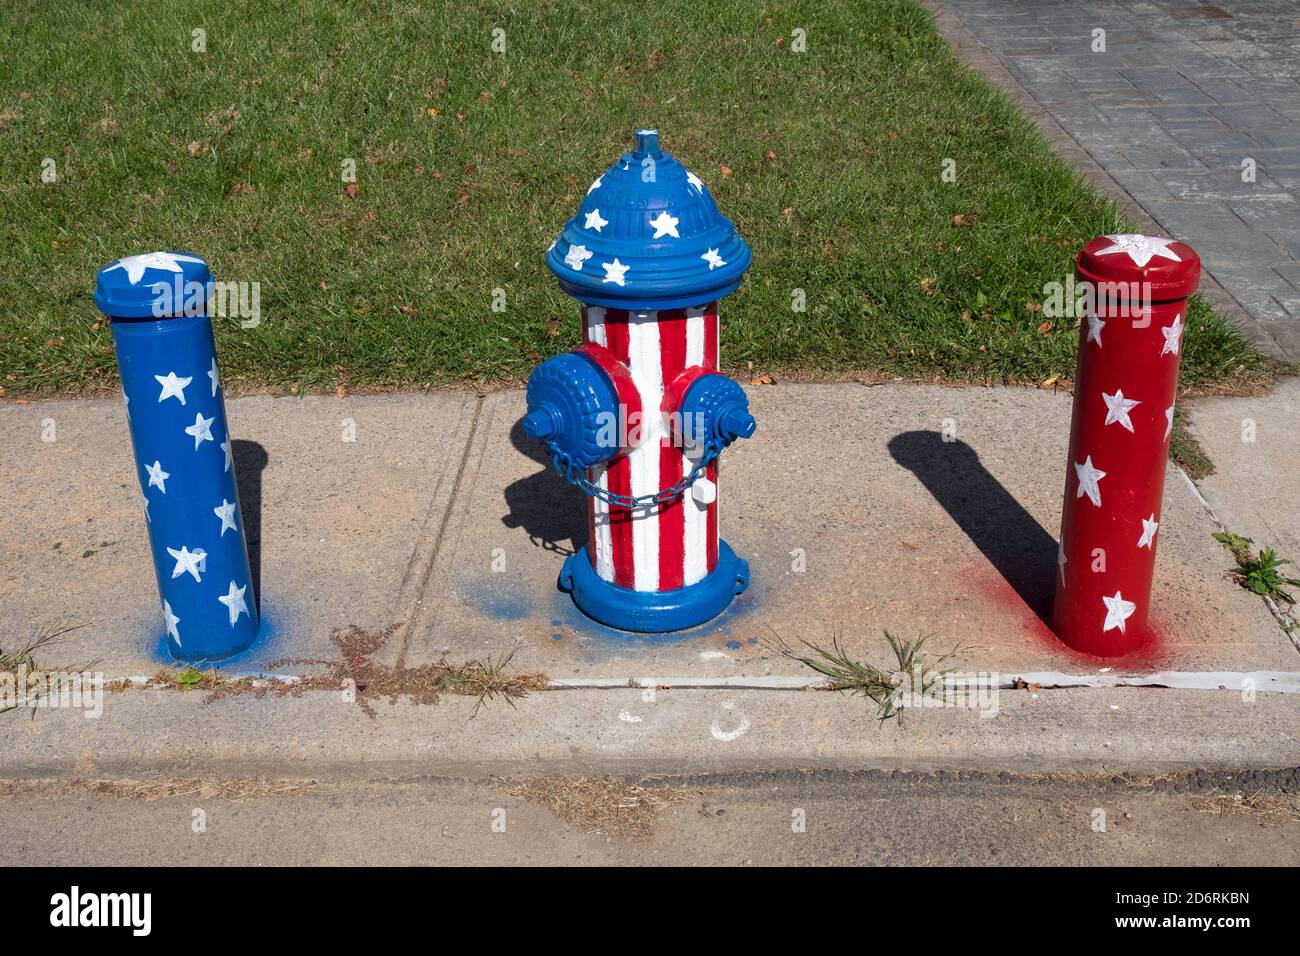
[[154, 285], [648, 236]]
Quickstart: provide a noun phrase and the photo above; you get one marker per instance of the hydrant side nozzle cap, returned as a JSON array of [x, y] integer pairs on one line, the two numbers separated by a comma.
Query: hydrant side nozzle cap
[[154, 285], [1169, 269], [737, 423], [648, 236], [539, 423]]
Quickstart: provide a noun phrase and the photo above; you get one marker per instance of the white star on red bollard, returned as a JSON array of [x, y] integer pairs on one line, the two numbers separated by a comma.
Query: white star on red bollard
[[1060, 560], [1141, 249], [1088, 477], [1117, 612], [1149, 526], [1095, 325], [1118, 407], [1169, 421], [1173, 336]]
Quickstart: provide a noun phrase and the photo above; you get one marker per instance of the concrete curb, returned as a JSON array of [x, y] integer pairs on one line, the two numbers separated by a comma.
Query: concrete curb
[[652, 730]]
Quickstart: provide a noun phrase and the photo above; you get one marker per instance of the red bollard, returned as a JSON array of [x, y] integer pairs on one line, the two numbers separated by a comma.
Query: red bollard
[[1130, 343]]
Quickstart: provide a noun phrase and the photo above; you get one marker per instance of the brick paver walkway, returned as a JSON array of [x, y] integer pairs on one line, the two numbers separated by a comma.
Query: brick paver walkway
[[1183, 95]]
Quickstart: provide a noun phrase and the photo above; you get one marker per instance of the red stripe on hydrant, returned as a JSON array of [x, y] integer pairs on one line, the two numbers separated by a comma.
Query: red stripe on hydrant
[[1134, 292]]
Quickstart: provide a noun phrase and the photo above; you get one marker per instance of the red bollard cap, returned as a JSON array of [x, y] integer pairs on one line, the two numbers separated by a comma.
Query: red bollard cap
[[1171, 268]]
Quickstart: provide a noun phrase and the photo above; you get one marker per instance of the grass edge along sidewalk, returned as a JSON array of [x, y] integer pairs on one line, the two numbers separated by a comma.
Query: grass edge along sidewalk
[[827, 146]]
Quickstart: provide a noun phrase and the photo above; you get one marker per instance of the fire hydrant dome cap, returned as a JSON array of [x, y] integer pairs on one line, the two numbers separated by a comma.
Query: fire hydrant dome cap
[[153, 285], [648, 236], [1169, 268]]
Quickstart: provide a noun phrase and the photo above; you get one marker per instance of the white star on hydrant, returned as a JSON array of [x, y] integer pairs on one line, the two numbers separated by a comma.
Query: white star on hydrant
[[1095, 325], [614, 271], [594, 221], [1088, 477], [215, 375], [226, 512], [172, 386], [1141, 249], [234, 600], [576, 256], [201, 429], [225, 446], [171, 620], [665, 225], [136, 265], [694, 181], [1118, 407], [188, 562], [1149, 526], [1117, 612], [713, 259], [157, 477], [595, 185], [1173, 336]]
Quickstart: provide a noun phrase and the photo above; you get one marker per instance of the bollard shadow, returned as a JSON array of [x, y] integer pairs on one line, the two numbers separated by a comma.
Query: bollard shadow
[[547, 507], [1021, 549], [250, 461]]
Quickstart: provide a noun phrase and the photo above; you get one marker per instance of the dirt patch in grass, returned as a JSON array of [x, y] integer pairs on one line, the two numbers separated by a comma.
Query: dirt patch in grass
[[608, 805]]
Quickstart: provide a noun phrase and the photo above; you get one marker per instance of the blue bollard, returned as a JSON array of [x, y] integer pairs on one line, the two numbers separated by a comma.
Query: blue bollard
[[157, 307]]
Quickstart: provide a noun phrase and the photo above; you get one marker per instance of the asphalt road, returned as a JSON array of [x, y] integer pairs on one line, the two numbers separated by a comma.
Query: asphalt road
[[742, 818]]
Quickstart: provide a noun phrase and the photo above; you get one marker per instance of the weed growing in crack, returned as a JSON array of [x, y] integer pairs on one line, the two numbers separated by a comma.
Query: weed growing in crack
[[1260, 574], [844, 673]]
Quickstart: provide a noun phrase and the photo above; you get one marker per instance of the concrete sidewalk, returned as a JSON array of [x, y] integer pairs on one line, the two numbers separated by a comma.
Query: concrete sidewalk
[[899, 530]]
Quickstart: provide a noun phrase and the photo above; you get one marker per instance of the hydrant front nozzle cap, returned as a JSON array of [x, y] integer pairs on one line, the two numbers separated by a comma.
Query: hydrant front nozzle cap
[[154, 285], [539, 423], [737, 423]]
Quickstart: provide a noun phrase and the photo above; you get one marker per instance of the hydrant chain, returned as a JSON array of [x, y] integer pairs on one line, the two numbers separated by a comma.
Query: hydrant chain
[[576, 476]]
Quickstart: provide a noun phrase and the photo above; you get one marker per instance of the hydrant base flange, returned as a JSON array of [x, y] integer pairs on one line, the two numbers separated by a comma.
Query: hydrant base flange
[[655, 612]]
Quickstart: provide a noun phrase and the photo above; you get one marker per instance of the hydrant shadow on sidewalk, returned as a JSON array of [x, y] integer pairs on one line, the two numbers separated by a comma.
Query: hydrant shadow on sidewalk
[[549, 509], [1020, 548]]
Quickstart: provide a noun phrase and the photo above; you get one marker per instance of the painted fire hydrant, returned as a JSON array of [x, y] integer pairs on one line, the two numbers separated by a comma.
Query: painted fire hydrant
[[637, 417], [1130, 344], [157, 307]]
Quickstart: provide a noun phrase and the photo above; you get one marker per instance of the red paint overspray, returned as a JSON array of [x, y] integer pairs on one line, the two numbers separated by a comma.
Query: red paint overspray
[[1130, 344], [992, 587]]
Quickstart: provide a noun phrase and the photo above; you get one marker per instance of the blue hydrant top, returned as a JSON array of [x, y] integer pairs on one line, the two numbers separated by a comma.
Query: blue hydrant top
[[155, 285], [648, 236]]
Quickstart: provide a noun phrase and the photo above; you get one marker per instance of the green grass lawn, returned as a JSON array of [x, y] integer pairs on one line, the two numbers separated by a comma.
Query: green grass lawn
[[469, 161]]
